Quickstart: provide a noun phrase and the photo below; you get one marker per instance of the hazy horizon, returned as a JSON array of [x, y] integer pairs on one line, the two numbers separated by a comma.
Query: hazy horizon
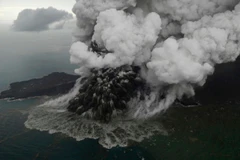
[[27, 55]]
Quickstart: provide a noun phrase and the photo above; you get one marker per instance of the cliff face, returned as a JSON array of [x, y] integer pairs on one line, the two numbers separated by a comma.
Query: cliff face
[[53, 84]]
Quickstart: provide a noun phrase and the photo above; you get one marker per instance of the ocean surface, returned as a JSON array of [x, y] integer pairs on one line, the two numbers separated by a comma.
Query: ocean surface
[[206, 132]]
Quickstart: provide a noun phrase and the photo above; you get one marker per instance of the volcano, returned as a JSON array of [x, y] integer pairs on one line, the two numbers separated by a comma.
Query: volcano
[[174, 48], [107, 90]]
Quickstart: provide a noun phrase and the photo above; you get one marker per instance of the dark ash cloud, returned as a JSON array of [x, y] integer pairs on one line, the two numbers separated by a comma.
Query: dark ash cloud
[[41, 19]]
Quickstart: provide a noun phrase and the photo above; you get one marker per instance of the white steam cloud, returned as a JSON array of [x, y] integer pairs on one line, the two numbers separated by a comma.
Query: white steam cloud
[[128, 37], [176, 42], [87, 12], [41, 19], [185, 10]]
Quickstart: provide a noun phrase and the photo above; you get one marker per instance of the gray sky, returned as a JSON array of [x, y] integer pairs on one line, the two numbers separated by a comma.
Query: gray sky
[[30, 43], [9, 9], [20, 44]]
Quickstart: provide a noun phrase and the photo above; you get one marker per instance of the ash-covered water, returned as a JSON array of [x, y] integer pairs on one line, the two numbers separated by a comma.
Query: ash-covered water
[[54, 117]]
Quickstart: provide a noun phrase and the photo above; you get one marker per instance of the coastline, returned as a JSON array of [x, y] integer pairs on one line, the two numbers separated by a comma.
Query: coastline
[[56, 83]]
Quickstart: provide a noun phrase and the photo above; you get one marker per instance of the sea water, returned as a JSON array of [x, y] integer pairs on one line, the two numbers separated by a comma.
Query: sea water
[[209, 132], [20, 143]]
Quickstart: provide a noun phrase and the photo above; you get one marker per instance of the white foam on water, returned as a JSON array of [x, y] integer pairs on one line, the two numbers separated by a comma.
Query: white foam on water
[[63, 100], [52, 116], [118, 132]]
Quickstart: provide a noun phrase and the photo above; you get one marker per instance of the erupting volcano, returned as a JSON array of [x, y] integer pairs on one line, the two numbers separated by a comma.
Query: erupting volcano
[[124, 45], [137, 57], [107, 90]]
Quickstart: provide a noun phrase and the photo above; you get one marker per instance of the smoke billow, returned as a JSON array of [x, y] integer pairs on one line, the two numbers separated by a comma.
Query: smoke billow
[[174, 43]]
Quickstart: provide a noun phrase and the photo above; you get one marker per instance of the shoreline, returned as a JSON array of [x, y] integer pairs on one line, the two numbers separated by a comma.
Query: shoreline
[[56, 83]]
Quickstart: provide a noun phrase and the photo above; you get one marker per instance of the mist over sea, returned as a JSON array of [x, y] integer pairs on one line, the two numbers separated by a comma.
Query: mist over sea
[[14, 68], [25, 56]]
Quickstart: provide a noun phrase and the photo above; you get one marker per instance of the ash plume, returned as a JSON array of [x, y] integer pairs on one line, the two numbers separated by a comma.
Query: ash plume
[[136, 58], [176, 43]]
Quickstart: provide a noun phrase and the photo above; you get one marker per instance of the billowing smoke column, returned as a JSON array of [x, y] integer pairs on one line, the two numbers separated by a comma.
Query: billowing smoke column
[[173, 43]]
